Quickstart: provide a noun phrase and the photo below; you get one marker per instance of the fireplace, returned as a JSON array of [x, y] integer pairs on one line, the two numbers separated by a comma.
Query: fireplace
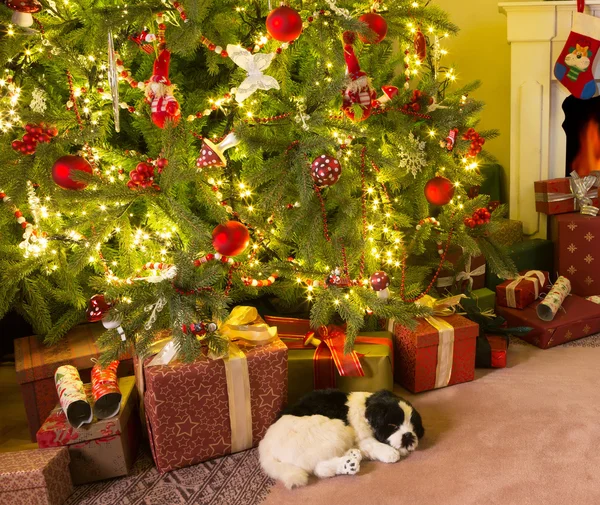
[[537, 32], [582, 129]]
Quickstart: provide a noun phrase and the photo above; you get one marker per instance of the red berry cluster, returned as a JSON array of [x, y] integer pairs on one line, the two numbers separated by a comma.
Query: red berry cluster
[[142, 176], [35, 133], [418, 97], [479, 217], [477, 142]]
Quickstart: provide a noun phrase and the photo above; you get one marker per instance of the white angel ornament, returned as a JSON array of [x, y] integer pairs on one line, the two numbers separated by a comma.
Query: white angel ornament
[[254, 65]]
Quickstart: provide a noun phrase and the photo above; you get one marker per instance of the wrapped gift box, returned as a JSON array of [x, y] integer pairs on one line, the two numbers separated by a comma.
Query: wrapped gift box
[[507, 232], [35, 365], [37, 477], [491, 351], [555, 196], [580, 318], [577, 251], [536, 254], [104, 449], [470, 276], [375, 350], [423, 364], [188, 405], [485, 298], [526, 290]]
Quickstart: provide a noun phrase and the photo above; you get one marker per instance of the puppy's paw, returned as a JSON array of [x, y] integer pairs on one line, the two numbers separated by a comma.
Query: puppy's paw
[[386, 454], [350, 464]]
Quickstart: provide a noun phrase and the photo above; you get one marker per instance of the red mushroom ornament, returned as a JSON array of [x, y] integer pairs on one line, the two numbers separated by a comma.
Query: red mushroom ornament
[[389, 93], [23, 10], [380, 282], [212, 155]]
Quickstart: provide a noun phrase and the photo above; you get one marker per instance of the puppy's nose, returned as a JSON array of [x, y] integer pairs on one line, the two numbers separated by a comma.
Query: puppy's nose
[[408, 439]]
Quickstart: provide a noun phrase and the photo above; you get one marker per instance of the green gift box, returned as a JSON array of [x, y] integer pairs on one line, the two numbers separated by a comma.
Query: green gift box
[[485, 298], [508, 232], [311, 364], [536, 254]]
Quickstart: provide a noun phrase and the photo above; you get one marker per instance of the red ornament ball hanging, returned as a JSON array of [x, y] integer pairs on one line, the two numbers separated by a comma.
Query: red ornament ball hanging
[[439, 191], [284, 24], [98, 307], [231, 238], [420, 45], [325, 170], [379, 281], [377, 24], [63, 170]]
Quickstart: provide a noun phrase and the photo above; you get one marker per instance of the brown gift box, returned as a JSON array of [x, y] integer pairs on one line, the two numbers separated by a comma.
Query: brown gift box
[[38, 477], [580, 318], [416, 353], [187, 404], [35, 365], [473, 270], [524, 290], [104, 449], [554, 196]]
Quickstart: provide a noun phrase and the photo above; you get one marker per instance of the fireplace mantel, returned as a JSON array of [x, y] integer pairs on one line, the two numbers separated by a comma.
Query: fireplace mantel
[[537, 32]]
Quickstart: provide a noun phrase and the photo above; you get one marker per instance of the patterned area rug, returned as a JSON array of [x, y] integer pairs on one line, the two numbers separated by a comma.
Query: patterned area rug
[[232, 480]]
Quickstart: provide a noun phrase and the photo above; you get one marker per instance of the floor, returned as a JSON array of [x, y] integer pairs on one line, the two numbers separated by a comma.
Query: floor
[[524, 435]]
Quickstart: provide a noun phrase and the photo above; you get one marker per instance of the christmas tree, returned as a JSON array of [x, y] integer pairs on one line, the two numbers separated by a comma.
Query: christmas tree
[[172, 160]]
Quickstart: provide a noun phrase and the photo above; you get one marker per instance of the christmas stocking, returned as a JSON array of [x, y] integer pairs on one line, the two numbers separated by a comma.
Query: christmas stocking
[[574, 65]]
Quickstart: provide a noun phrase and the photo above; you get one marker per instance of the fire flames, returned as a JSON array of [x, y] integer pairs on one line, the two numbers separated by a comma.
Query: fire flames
[[588, 157]]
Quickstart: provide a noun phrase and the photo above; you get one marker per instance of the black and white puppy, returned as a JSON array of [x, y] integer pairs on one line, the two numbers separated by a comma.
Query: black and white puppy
[[328, 432]]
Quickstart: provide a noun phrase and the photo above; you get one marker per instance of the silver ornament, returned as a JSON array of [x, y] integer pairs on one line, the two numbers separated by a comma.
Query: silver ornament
[[113, 80]]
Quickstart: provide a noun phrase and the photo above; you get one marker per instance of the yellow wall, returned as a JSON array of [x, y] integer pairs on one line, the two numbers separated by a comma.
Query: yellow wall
[[480, 51]]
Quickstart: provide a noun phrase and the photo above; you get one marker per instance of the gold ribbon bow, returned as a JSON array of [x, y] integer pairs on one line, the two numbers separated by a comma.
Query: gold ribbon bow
[[444, 307], [246, 326], [580, 186], [536, 276]]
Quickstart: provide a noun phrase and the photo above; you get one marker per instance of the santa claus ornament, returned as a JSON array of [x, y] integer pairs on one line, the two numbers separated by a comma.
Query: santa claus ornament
[[159, 92], [360, 92], [325, 170]]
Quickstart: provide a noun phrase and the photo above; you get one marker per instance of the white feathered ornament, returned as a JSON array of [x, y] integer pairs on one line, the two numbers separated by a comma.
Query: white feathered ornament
[[254, 65]]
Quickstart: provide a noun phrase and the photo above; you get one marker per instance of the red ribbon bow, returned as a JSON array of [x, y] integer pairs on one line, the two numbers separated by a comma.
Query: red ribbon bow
[[329, 343]]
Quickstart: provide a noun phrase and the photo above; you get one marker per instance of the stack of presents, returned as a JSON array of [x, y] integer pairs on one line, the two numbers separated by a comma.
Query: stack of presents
[[88, 422]]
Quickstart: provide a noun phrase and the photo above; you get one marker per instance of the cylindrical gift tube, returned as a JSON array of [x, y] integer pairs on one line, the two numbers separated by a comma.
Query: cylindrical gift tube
[[547, 309], [72, 396], [105, 390]]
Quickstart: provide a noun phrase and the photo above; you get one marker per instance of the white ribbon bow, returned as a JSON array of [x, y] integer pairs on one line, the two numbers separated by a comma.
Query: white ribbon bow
[[253, 64]]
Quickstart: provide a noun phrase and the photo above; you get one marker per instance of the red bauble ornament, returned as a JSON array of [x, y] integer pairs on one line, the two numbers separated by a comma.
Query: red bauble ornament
[[420, 45], [231, 238], [63, 170], [439, 191], [379, 281], [284, 24], [97, 308], [325, 170], [377, 24]]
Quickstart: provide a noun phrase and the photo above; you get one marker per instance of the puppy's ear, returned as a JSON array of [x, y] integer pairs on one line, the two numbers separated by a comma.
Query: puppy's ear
[[417, 423]]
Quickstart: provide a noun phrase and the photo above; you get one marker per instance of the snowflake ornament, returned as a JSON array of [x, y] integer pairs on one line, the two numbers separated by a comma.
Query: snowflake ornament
[[412, 156], [38, 101]]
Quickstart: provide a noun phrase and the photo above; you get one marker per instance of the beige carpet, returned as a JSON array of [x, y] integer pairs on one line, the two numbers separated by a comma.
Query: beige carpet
[[525, 435]]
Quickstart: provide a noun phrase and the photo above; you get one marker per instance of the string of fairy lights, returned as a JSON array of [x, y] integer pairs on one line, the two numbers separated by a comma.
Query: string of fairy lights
[[385, 242]]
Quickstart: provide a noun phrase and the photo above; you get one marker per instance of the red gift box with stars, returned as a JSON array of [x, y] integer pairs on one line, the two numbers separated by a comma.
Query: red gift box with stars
[[576, 240], [103, 449], [580, 318], [188, 405]]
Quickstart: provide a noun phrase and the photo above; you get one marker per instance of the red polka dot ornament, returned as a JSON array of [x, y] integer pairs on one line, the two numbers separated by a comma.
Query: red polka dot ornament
[[325, 170], [380, 282]]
